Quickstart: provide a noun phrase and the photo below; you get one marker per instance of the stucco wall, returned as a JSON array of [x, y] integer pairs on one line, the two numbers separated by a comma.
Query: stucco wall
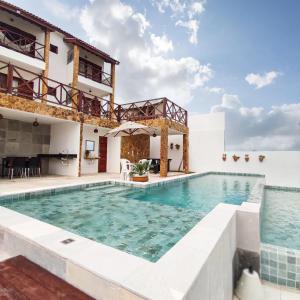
[[64, 139]]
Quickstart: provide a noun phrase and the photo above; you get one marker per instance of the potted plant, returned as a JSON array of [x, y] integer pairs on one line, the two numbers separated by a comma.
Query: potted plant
[[247, 157], [140, 172], [224, 157], [235, 157], [261, 158], [177, 146]]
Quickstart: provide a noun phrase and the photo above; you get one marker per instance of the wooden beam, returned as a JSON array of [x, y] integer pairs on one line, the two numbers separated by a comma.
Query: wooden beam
[[75, 75], [164, 151], [185, 153], [113, 85], [46, 71], [80, 149]]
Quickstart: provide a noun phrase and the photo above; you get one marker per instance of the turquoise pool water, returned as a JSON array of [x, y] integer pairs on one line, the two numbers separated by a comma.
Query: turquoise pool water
[[280, 219], [143, 222]]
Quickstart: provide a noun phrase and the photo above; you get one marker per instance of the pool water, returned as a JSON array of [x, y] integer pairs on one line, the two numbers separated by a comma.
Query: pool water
[[280, 219], [143, 222]]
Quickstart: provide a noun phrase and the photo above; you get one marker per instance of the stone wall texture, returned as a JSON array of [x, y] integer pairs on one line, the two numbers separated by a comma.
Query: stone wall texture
[[135, 147]]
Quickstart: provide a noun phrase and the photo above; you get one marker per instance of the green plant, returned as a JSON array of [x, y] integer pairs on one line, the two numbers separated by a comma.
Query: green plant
[[140, 169]]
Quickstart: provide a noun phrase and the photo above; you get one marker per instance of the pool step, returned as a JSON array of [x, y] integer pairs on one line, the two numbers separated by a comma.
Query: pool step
[[98, 187]]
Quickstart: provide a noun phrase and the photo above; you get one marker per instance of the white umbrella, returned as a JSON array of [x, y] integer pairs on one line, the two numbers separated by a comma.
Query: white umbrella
[[130, 128]]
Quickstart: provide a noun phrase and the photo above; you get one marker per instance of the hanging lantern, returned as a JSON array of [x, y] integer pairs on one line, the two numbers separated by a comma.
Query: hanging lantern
[[154, 134], [35, 123], [96, 130]]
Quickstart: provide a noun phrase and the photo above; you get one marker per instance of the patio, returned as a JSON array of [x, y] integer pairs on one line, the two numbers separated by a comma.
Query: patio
[[8, 186]]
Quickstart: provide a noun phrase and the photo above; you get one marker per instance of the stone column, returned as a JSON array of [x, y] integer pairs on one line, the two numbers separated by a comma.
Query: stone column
[[185, 153], [80, 149], [46, 59], [75, 76], [113, 84], [164, 151]]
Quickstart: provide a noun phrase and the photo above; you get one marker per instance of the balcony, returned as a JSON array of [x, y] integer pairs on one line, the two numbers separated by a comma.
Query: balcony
[[153, 109], [20, 82], [91, 76], [17, 81], [21, 48]]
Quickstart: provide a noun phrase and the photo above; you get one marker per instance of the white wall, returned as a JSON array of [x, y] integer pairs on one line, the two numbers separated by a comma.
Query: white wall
[[113, 151], [64, 139], [113, 154], [207, 147]]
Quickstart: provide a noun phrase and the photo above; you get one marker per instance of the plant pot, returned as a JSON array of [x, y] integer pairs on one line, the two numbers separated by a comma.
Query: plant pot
[[140, 178], [235, 157]]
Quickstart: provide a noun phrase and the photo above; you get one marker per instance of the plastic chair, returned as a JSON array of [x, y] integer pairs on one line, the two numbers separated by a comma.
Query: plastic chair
[[125, 169]]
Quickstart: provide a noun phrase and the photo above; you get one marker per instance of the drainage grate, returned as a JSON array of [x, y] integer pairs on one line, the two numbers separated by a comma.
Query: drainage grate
[[67, 241]]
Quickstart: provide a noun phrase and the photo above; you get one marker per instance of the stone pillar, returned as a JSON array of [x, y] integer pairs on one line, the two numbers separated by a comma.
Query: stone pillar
[[46, 59], [75, 75], [164, 151], [80, 149], [113, 84], [185, 153]]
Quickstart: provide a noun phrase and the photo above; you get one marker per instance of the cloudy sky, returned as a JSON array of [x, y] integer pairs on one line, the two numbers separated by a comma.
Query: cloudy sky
[[241, 57]]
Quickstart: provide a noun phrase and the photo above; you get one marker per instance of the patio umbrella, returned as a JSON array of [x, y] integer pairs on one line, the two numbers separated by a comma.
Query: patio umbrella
[[130, 128]]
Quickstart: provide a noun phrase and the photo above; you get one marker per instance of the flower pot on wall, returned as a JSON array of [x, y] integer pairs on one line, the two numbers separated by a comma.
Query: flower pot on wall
[[261, 158], [235, 157], [177, 146], [140, 178], [171, 146], [247, 157], [224, 157]]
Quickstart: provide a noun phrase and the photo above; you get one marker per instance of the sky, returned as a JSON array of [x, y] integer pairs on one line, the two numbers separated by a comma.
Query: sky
[[233, 56]]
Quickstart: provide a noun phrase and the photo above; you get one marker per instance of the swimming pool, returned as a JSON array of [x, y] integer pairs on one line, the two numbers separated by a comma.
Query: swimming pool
[[145, 222], [280, 218]]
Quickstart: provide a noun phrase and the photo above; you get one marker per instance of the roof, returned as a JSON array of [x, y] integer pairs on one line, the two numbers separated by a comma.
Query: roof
[[13, 9]]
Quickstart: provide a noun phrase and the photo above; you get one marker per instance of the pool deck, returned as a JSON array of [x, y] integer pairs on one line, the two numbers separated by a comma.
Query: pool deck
[[29, 184]]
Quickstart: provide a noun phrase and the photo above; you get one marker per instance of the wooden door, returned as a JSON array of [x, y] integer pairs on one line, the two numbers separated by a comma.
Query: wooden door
[[102, 154]]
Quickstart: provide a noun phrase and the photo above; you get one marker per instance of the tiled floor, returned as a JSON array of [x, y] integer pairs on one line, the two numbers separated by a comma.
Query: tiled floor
[[27, 184], [276, 292]]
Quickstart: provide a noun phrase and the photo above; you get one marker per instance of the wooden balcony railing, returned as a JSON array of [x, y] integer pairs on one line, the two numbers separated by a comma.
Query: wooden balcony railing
[[152, 109], [20, 82], [18, 42], [93, 72]]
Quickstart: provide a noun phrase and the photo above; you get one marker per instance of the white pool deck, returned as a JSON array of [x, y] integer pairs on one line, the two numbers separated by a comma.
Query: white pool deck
[[21, 185]]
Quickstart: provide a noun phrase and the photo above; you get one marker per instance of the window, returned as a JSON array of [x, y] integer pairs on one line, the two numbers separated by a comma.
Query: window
[[69, 56], [53, 48]]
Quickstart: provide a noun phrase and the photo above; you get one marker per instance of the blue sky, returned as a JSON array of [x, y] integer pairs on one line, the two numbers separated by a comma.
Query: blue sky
[[205, 72]]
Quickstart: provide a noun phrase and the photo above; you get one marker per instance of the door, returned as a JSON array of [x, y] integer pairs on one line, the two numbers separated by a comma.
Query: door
[[102, 154]]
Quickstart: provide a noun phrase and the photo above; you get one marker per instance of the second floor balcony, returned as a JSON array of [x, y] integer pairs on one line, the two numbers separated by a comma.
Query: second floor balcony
[[21, 47], [31, 86]]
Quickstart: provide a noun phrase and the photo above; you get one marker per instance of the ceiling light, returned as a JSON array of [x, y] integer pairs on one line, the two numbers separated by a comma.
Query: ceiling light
[[35, 123]]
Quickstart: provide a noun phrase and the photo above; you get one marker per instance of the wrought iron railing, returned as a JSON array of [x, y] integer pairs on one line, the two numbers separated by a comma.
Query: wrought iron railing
[[20, 43], [93, 72], [20, 82], [152, 109]]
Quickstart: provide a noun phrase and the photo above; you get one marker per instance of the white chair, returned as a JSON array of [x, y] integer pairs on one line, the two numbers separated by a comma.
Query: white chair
[[125, 169]]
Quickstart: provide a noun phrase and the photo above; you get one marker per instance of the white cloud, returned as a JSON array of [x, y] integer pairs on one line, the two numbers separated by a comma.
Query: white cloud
[[214, 90], [196, 8], [260, 81], [176, 6], [62, 10], [255, 128], [161, 44], [192, 27], [146, 69]]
